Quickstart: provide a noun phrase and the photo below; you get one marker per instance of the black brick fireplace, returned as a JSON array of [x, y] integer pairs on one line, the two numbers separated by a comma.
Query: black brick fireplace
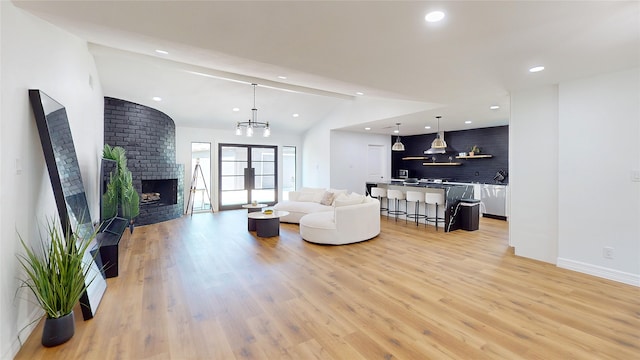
[[149, 137]]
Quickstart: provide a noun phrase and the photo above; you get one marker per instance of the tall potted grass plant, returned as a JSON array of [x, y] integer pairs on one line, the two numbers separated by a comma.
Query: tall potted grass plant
[[57, 273]]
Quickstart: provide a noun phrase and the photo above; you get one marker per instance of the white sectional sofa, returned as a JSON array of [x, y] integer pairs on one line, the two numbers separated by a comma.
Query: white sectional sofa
[[344, 225], [306, 201], [329, 216]]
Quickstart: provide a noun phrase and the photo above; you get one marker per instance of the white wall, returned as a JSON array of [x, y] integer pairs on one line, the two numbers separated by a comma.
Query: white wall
[[186, 135], [316, 160], [349, 153], [598, 150], [573, 150], [533, 173], [38, 55], [316, 157]]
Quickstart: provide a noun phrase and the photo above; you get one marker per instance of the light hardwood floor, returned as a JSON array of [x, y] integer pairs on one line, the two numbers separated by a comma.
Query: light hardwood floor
[[203, 287]]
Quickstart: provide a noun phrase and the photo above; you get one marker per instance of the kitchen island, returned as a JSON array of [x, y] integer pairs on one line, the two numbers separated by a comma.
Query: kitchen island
[[453, 193]]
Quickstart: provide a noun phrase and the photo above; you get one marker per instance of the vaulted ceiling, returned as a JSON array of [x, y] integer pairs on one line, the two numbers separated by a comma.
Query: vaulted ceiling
[[331, 50]]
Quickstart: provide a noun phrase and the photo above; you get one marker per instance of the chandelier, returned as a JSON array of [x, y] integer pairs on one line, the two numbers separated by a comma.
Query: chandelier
[[253, 123]]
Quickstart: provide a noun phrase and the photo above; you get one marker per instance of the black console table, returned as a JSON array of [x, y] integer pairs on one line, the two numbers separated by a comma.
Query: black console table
[[108, 238]]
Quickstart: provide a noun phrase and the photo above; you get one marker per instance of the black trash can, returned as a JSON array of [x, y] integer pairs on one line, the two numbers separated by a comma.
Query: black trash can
[[470, 214]]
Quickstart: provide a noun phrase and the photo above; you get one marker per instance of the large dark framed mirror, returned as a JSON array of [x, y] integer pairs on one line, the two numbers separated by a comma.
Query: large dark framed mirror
[[68, 189]]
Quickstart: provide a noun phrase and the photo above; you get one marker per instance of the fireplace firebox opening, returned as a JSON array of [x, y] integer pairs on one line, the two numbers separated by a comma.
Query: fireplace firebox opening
[[159, 192]]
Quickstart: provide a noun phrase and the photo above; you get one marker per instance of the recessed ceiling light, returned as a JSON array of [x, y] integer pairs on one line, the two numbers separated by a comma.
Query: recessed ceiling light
[[359, 93], [396, 131], [367, 128], [163, 52], [282, 77], [434, 16], [295, 115], [157, 98], [468, 122], [494, 107], [236, 109], [536, 68], [427, 127]]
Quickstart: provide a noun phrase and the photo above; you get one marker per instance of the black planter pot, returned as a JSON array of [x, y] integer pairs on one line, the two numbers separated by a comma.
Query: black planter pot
[[58, 331]]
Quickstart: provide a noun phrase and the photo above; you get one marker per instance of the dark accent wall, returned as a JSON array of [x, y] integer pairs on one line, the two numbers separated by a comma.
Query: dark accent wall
[[493, 141], [149, 138]]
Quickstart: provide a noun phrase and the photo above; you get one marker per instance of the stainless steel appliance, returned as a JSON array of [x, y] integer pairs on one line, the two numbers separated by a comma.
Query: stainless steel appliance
[[494, 198]]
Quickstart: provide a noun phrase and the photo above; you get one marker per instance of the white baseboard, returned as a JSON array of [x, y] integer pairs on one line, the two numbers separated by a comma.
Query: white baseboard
[[599, 271], [13, 350], [23, 333]]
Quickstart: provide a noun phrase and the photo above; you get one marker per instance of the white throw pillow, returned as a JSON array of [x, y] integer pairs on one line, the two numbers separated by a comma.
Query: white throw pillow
[[317, 197], [337, 193], [351, 199], [327, 198]]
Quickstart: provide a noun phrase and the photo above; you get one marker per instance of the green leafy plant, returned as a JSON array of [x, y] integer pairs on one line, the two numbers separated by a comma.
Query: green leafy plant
[[475, 149], [110, 199], [120, 194], [57, 273], [130, 198]]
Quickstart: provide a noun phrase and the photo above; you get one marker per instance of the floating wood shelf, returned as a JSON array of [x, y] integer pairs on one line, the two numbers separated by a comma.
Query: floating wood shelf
[[475, 157], [415, 158], [440, 164]]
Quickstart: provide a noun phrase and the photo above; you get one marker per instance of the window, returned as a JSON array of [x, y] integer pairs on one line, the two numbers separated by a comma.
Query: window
[[199, 196], [288, 170]]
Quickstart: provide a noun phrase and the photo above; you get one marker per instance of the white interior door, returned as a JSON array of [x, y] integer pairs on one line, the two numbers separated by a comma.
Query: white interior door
[[376, 165]]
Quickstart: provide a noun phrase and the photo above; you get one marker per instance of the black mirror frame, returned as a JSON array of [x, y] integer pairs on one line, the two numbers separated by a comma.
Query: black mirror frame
[[91, 298]]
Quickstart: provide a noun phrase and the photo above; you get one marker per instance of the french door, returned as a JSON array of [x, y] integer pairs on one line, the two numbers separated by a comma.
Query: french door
[[247, 173]]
